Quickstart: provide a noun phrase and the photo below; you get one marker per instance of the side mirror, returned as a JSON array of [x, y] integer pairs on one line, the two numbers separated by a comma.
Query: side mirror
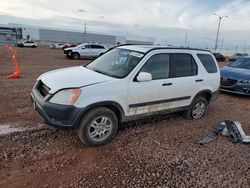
[[144, 77]]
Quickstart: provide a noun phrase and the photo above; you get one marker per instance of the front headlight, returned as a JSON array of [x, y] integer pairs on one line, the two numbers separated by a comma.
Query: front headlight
[[245, 81], [66, 97]]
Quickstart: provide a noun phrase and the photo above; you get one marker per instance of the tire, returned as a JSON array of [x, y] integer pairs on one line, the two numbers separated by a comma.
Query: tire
[[91, 130], [100, 54], [197, 109], [75, 56]]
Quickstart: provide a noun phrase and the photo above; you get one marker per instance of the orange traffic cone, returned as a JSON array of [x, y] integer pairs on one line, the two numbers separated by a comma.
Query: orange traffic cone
[[17, 71]]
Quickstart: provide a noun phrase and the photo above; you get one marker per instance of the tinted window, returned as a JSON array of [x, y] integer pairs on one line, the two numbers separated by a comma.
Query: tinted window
[[158, 66], [183, 65], [208, 62], [97, 47]]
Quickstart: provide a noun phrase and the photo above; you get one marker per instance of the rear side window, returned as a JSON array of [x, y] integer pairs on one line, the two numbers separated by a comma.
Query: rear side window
[[158, 66], [97, 47], [183, 65], [208, 62]]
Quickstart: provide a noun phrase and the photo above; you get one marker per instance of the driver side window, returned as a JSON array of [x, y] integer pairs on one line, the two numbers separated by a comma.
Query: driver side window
[[158, 66]]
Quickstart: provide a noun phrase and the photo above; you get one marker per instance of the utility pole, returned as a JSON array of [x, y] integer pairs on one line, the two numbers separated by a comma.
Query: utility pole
[[221, 45], [218, 30], [85, 33], [245, 47], [186, 40]]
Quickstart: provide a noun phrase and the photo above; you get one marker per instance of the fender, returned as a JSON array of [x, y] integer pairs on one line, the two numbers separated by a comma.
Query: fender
[[209, 92], [109, 104]]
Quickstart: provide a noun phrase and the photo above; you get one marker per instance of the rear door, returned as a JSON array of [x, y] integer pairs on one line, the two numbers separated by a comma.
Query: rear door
[[96, 50], [85, 51], [184, 77]]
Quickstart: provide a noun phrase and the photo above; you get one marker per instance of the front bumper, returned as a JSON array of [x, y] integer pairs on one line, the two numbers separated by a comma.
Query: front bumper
[[60, 116], [238, 88]]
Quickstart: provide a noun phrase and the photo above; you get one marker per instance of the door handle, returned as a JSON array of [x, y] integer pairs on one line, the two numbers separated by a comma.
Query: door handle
[[199, 80], [167, 84]]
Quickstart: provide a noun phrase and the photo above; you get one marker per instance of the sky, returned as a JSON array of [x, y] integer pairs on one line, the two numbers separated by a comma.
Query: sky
[[164, 21]]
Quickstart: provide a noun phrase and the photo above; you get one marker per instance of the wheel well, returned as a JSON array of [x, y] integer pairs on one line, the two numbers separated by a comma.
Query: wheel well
[[207, 95], [114, 108]]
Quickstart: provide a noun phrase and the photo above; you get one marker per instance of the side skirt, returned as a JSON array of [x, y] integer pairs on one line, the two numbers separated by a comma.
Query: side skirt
[[157, 113]]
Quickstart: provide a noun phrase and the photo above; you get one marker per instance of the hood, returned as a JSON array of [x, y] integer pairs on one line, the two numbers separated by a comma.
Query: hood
[[72, 77], [71, 48], [235, 73]]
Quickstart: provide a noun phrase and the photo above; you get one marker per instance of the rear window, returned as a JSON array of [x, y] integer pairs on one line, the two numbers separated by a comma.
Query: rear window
[[208, 62]]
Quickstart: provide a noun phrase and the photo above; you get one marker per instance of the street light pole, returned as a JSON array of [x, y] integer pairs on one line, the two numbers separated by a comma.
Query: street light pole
[[218, 30]]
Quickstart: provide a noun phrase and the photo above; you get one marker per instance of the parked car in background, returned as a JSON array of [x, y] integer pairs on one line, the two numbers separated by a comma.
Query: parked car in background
[[219, 57], [237, 56], [56, 45], [235, 78], [126, 83], [68, 45], [85, 50], [27, 44]]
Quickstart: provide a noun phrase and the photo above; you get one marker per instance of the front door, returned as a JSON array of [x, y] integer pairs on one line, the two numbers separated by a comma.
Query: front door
[[147, 97]]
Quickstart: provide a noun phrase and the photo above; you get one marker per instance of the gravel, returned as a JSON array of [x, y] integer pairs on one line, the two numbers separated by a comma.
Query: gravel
[[156, 152]]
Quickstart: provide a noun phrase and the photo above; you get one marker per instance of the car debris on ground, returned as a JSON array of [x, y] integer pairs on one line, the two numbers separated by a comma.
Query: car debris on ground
[[227, 128]]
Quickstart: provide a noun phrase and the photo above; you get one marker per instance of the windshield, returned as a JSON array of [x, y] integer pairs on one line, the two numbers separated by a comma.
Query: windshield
[[243, 63], [116, 63], [81, 45]]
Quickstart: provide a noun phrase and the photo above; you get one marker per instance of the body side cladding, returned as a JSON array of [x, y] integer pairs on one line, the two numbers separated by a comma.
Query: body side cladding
[[158, 102], [157, 113]]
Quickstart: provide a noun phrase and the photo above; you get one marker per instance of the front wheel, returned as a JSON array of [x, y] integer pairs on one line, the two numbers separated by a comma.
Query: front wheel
[[75, 56], [197, 109], [98, 127]]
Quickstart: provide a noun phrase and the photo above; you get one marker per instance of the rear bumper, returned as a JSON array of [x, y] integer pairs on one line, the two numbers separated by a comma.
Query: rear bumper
[[60, 116]]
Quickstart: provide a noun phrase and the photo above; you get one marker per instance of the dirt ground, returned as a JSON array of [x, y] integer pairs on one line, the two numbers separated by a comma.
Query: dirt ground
[[156, 152]]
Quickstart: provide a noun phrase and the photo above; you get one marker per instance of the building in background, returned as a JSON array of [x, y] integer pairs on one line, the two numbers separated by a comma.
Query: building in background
[[9, 35], [47, 35]]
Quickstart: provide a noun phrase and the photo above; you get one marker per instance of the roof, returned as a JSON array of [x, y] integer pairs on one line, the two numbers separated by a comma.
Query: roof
[[148, 48]]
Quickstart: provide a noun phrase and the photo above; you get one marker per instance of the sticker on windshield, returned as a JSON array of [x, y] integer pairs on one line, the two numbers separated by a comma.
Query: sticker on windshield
[[136, 54]]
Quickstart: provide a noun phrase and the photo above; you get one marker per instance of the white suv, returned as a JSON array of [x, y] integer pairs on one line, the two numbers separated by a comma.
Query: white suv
[[27, 44], [127, 83], [85, 50]]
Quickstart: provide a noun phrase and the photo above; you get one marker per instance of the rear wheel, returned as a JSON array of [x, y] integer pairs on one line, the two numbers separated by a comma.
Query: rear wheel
[[197, 109], [98, 127], [75, 56]]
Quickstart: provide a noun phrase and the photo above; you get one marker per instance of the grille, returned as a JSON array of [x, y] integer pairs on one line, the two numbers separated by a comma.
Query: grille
[[43, 89], [228, 82]]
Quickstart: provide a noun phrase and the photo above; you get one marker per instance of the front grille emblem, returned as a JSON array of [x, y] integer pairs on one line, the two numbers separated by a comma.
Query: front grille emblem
[[224, 78]]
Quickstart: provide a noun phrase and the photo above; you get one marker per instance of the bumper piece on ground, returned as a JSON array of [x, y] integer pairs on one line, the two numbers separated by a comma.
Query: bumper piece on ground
[[227, 128]]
